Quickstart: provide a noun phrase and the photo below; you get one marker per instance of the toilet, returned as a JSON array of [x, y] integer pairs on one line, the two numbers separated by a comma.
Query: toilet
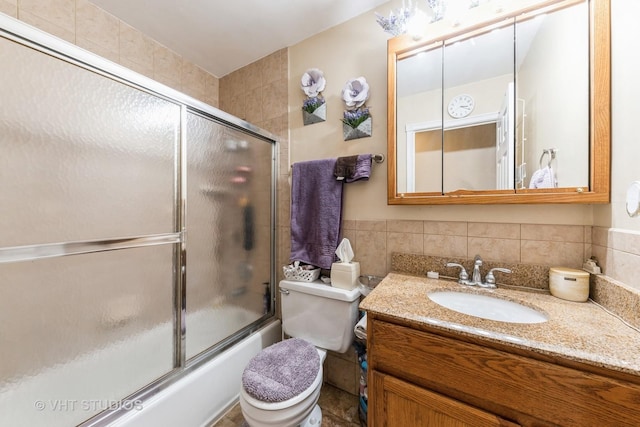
[[281, 384]]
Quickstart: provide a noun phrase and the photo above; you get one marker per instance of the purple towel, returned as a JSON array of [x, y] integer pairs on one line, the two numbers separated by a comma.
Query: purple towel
[[362, 169], [316, 212], [281, 371]]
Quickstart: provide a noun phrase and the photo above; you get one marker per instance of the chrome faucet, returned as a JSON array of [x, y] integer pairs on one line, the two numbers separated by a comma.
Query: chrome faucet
[[463, 279], [476, 277]]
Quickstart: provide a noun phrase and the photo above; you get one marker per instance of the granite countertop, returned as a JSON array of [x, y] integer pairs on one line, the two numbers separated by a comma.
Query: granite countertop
[[582, 332]]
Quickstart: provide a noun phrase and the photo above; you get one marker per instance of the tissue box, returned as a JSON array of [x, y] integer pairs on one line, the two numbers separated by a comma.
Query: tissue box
[[344, 275]]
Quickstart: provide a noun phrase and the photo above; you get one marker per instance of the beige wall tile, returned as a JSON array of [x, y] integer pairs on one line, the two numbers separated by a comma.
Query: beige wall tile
[[371, 225], [274, 99], [445, 246], [284, 203], [138, 68], [212, 90], [401, 226], [587, 251], [349, 224], [253, 108], [283, 156], [234, 105], [626, 241], [557, 233], [623, 267], [274, 67], [97, 26], [251, 75], [601, 253], [167, 66], [600, 236], [588, 231], [284, 246], [59, 13], [135, 47], [9, 7], [506, 250], [371, 252], [409, 243], [451, 228], [113, 56], [47, 26], [353, 240], [494, 230], [193, 79], [340, 373], [405, 243], [564, 254]]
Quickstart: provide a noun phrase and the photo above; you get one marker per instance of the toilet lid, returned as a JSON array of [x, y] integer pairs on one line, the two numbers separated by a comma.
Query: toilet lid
[[281, 371]]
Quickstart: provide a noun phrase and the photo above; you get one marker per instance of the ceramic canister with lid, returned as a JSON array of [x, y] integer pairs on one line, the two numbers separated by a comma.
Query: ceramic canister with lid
[[569, 284]]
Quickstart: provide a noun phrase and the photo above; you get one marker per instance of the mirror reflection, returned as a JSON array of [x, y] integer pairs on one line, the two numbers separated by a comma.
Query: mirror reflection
[[504, 108]]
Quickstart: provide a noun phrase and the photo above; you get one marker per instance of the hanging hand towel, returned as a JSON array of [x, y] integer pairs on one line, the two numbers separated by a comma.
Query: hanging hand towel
[[353, 168], [316, 211], [345, 167], [543, 178], [362, 170]]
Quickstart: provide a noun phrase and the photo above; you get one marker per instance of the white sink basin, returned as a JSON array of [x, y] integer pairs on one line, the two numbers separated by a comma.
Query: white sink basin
[[487, 307]]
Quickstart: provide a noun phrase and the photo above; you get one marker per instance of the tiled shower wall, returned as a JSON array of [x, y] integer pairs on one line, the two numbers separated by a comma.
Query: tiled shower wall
[[258, 93], [89, 27]]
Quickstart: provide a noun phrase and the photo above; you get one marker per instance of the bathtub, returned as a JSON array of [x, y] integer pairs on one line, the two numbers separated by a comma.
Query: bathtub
[[205, 394], [196, 399]]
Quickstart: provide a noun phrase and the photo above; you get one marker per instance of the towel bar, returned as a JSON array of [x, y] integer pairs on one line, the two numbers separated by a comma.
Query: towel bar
[[378, 158]]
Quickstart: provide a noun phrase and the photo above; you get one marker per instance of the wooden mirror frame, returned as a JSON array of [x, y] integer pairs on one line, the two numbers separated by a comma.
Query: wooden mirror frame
[[599, 121]]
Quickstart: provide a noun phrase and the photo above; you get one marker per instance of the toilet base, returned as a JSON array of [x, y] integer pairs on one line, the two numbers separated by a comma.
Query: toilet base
[[314, 419]]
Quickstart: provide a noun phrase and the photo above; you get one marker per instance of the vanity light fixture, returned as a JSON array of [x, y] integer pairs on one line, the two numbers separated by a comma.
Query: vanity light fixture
[[410, 19]]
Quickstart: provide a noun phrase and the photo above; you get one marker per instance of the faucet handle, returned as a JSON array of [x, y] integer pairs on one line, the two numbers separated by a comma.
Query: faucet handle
[[490, 279], [464, 276]]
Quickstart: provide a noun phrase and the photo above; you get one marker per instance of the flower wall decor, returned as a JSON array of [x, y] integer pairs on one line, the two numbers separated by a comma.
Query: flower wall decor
[[356, 120], [314, 108]]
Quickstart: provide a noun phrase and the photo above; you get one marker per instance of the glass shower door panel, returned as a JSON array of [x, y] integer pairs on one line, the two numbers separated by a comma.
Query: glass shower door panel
[[228, 231], [81, 332], [83, 156]]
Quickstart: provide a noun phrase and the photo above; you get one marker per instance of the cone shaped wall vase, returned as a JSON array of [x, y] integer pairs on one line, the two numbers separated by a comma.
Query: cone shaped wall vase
[[318, 115], [363, 130]]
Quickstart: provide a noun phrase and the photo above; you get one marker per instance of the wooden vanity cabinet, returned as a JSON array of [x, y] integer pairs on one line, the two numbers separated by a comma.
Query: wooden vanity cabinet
[[420, 376]]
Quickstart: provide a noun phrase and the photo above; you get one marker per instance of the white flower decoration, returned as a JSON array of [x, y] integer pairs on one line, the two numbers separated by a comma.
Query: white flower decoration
[[313, 82], [355, 93]]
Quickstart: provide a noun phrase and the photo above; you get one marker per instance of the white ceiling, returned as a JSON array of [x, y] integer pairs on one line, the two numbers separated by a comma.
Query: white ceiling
[[222, 36]]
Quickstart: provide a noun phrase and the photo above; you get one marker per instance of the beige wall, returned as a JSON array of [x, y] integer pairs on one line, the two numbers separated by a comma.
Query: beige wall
[[89, 27], [358, 47]]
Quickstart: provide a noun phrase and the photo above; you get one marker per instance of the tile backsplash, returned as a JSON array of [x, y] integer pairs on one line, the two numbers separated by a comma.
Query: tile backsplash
[[559, 245], [374, 241]]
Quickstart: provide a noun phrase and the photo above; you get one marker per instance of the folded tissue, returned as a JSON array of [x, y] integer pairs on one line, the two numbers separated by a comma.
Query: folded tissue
[[345, 273]]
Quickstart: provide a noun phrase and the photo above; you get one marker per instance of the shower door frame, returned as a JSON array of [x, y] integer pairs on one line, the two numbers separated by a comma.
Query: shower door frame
[[31, 37]]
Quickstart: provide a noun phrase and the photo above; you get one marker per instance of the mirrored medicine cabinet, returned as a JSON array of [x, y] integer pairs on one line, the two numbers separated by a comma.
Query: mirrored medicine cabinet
[[515, 110]]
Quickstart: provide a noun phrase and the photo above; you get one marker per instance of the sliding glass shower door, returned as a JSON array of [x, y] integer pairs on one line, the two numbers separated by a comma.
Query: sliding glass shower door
[[228, 231], [136, 231]]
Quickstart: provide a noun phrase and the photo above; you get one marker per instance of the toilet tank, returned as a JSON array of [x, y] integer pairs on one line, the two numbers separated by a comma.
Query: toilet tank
[[316, 312]]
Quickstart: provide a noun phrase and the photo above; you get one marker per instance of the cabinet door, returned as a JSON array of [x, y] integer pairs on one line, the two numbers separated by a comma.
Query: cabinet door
[[398, 403]]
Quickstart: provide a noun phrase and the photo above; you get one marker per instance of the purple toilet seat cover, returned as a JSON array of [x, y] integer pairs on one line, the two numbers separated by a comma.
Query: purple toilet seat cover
[[281, 371]]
